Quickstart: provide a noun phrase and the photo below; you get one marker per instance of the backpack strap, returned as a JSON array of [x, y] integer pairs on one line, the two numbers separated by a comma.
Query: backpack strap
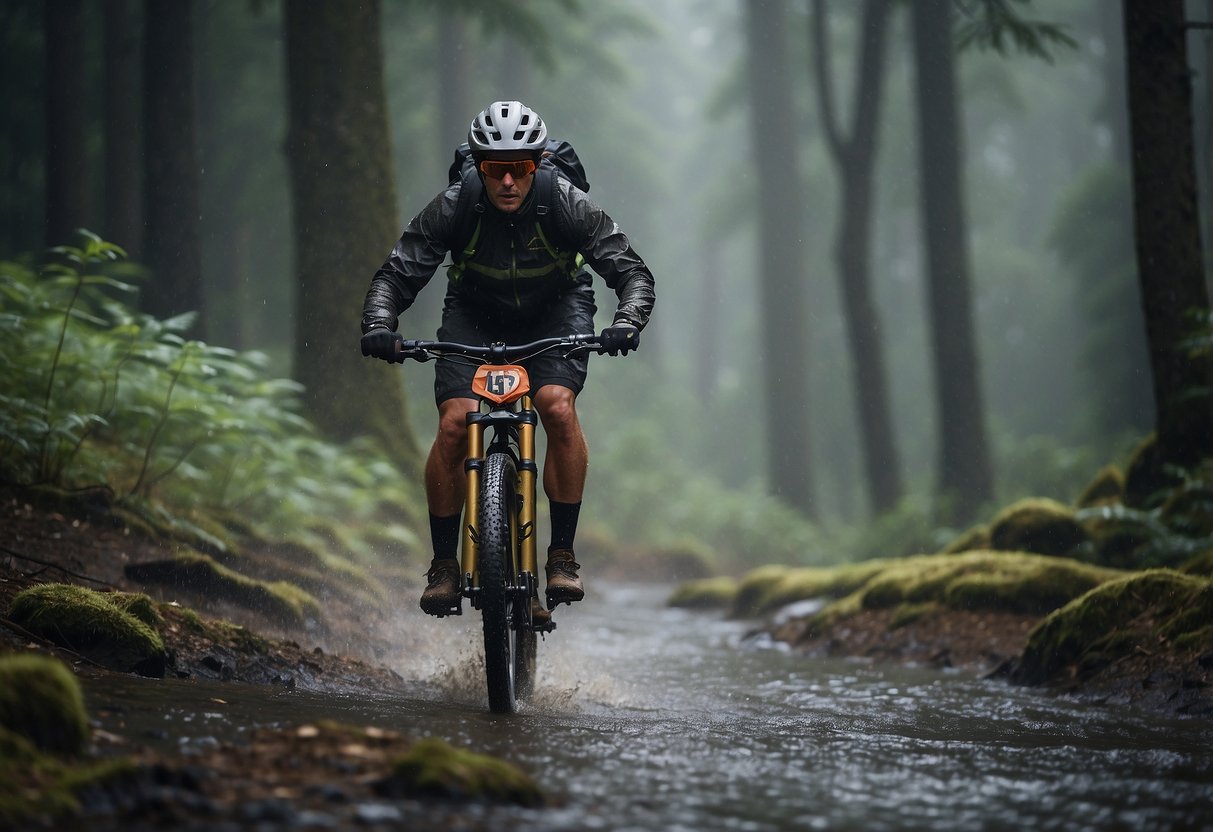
[[466, 223], [551, 223]]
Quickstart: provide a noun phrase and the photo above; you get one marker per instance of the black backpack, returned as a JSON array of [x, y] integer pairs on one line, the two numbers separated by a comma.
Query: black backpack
[[559, 159]]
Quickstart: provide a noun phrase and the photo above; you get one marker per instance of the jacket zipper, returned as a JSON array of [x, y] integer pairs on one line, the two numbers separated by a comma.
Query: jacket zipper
[[514, 264]]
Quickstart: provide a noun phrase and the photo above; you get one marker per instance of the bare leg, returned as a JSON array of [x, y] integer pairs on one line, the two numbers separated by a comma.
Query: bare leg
[[445, 481], [568, 457]]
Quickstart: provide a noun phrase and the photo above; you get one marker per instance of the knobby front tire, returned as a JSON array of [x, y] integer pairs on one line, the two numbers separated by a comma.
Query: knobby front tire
[[497, 558], [524, 664]]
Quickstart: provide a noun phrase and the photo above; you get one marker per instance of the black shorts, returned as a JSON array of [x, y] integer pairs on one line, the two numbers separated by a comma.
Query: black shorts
[[571, 313]]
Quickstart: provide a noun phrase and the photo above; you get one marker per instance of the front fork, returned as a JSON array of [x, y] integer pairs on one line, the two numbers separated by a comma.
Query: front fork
[[527, 475]]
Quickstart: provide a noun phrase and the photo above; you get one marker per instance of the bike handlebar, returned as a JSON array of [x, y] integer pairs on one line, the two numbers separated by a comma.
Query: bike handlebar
[[497, 352]]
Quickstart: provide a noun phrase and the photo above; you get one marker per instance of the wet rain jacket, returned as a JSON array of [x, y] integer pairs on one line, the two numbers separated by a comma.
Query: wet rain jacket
[[515, 269]]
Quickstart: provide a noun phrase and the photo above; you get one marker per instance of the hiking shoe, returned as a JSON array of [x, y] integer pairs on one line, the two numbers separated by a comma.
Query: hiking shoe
[[564, 587], [540, 615], [442, 593]]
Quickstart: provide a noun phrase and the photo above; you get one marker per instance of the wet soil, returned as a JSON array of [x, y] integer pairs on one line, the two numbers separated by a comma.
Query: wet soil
[[39, 546]]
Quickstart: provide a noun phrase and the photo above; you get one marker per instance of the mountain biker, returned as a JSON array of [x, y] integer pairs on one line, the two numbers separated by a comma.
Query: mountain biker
[[516, 286]]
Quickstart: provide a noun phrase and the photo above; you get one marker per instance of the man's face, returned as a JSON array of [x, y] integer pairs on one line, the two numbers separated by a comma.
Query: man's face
[[508, 182]]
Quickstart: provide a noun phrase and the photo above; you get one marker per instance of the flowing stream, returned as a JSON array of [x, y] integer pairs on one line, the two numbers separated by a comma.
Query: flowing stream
[[647, 718]]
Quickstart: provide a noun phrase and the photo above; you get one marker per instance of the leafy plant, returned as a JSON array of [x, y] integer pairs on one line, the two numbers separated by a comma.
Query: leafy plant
[[100, 396]]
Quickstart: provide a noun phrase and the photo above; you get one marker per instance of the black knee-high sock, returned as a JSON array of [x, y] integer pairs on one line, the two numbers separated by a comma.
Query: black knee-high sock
[[444, 532], [564, 523]]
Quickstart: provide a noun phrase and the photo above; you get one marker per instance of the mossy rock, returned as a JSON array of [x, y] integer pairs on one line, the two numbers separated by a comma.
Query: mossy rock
[[434, 768], [94, 624], [1148, 609], [975, 581], [1107, 487], [1202, 565], [201, 575], [39, 790], [704, 594], [972, 539], [1038, 525], [40, 699], [1148, 481], [754, 586], [803, 583]]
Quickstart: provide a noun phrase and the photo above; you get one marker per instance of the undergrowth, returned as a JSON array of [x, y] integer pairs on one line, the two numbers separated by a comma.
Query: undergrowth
[[96, 396]]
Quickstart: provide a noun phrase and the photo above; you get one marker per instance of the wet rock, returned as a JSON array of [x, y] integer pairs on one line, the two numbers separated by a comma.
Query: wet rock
[[434, 768], [267, 811], [372, 813], [1038, 525], [328, 792]]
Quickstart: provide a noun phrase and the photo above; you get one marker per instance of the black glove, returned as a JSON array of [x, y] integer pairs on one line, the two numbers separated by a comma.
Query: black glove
[[381, 343], [618, 339]]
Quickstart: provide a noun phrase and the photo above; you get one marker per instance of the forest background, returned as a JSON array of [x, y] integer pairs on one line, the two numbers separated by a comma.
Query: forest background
[[691, 441]]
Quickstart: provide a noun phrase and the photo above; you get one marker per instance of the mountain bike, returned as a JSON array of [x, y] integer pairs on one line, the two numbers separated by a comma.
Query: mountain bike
[[498, 557]]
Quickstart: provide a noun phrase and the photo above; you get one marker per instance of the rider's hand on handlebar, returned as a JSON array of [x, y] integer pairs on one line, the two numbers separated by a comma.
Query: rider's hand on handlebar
[[382, 343], [618, 339]]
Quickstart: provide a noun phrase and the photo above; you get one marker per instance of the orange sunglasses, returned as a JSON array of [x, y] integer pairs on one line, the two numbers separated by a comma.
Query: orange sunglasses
[[498, 170]]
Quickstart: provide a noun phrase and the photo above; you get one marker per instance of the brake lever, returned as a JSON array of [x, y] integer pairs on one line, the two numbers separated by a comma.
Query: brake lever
[[409, 349]]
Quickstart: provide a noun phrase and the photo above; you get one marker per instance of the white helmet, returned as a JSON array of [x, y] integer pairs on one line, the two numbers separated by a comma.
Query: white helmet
[[507, 126]]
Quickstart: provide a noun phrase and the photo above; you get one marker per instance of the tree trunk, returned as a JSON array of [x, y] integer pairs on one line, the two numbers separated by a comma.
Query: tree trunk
[[344, 216], [709, 320], [965, 479], [782, 222], [855, 156], [1206, 152], [171, 235], [1166, 223], [123, 204], [455, 111], [66, 162]]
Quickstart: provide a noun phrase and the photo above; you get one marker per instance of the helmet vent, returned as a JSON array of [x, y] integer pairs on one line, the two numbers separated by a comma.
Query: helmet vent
[[507, 126]]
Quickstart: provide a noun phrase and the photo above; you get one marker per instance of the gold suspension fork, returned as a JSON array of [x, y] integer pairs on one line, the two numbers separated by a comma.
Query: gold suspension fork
[[471, 511], [526, 489]]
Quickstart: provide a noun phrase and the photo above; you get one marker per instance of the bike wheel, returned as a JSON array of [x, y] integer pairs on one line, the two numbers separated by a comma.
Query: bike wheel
[[524, 664], [498, 555]]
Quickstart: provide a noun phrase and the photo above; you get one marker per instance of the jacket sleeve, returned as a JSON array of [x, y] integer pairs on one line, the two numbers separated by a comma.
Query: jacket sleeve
[[414, 259], [609, 253]]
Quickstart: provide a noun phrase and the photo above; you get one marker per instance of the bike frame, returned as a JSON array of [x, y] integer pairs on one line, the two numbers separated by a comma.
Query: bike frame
[[501, 436], [513, 419]]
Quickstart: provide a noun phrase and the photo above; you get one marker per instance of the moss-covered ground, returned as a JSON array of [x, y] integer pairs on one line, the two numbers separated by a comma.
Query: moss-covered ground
[[1082, 580], [1138, 615]]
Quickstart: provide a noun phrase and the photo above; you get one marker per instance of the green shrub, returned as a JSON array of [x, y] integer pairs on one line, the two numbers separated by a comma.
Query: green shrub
[[98, 395]]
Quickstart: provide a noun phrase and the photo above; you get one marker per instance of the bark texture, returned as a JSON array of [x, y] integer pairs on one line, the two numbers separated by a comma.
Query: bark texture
[[1167, 226], [854, 154], [782, 222], [123, 203], [66, 162], [965, 480], [344, 216], [171, 240]]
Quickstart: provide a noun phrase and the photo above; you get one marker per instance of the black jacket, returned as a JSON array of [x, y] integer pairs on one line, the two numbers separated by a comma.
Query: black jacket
[[516, 270]]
